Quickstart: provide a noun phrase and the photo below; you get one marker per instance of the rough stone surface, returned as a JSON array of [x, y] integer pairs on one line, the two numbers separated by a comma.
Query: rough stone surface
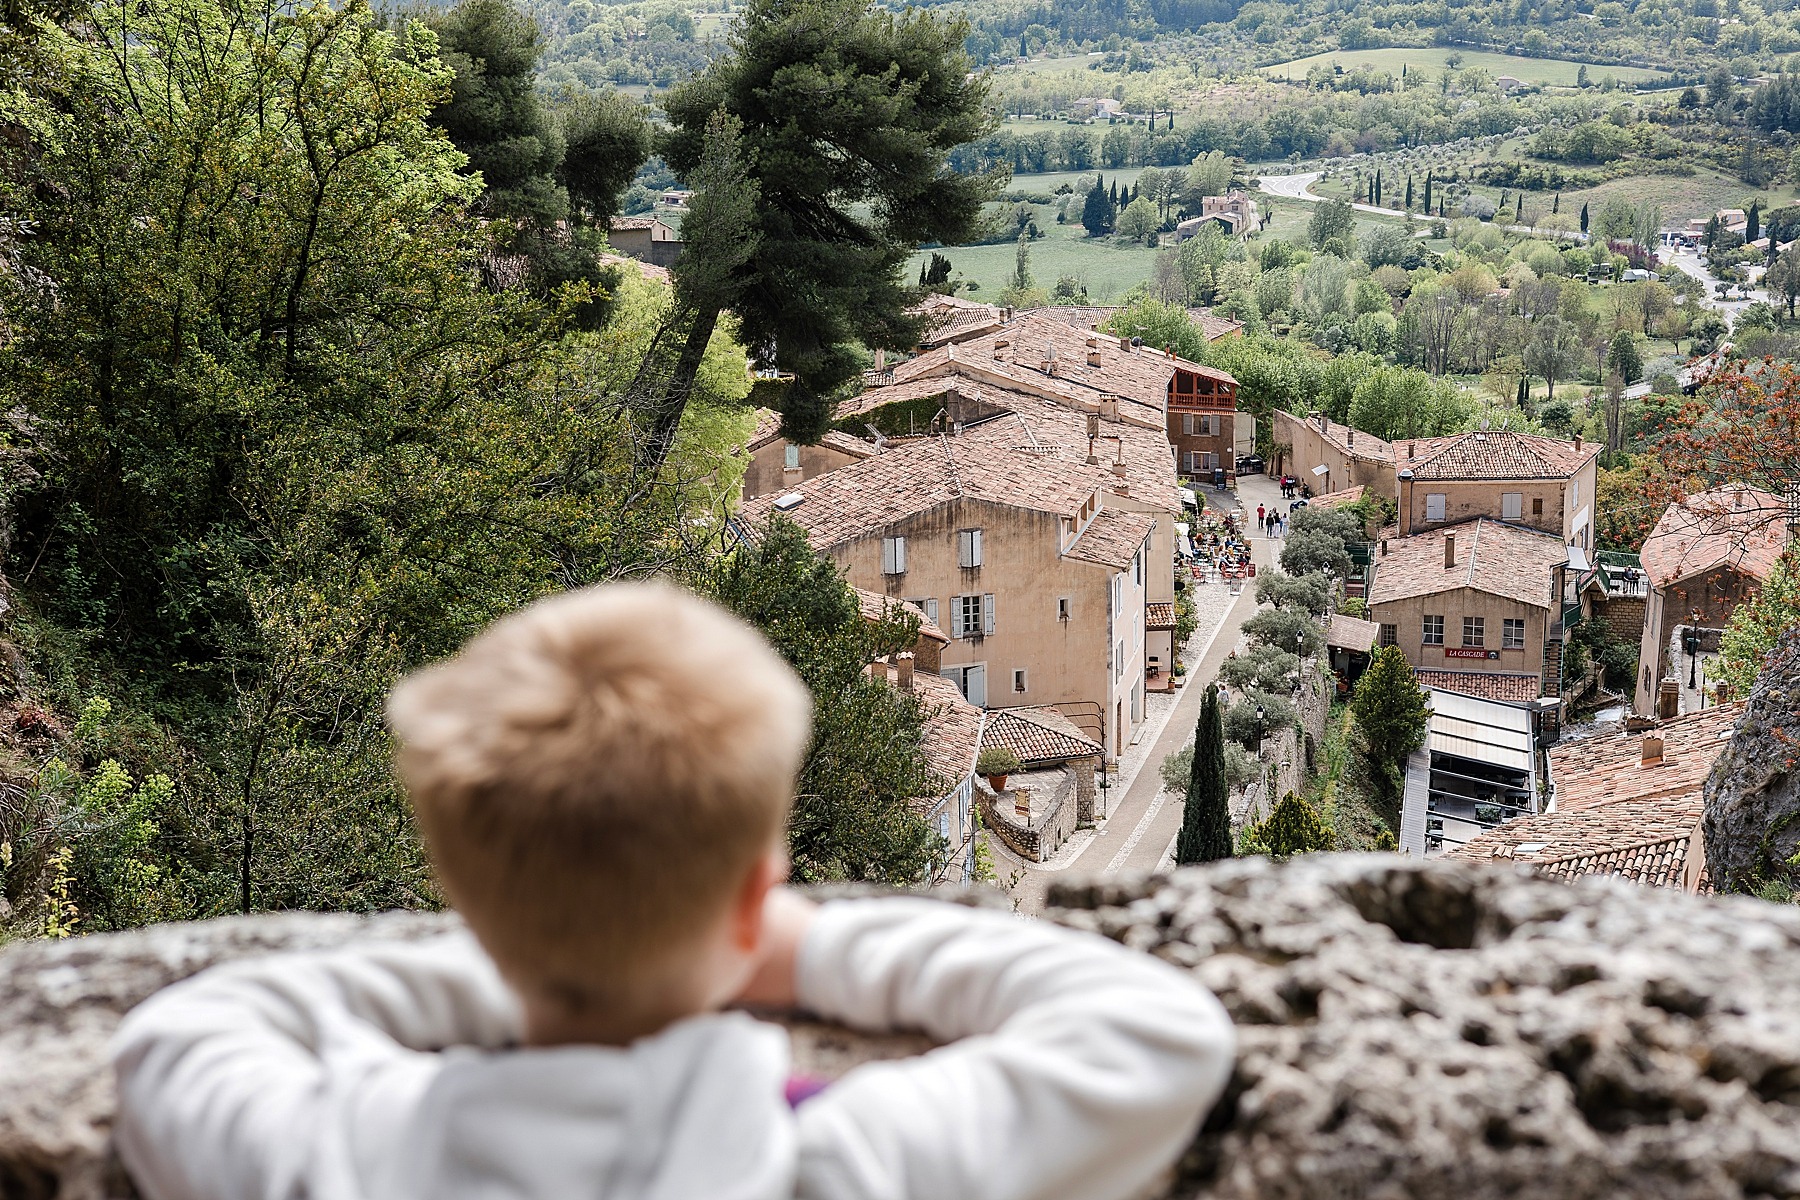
[[1752, 821], [1406, 1030]]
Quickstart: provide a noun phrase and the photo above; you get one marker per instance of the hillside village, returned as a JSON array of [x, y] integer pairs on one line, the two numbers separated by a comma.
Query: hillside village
[[1045, 498]]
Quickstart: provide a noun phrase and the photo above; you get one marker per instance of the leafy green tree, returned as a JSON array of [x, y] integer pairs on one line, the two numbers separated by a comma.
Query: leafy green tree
[[853, 809], [1292, 630], [1625, 356], [1139, 221], [1206, 817], [1292, 828], [824, 133], [605, 139], [1246, 728], [1757, 625], [1265, 668], [1305, 593], [1209, 175], [1308, 552], [1203, 258], [1391, 721], [1164, 326], [1334, 219]]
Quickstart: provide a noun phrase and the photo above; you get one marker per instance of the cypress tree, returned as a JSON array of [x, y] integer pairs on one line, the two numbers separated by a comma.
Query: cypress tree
[[1206, 818], [1753, 222], [1409, 193], [1556, 203], [1375, 191], [1584, 218], [1114, 194], [1095, 216], [1428, 191]]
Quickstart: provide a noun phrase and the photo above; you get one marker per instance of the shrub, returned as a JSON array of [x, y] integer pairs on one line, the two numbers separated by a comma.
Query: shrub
[[996, 760]]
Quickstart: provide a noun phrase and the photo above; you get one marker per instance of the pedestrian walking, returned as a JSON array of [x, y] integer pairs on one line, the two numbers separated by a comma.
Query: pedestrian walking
[[1261, 519]]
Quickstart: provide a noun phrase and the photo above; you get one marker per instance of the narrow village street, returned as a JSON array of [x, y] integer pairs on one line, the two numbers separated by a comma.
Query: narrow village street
[[1139, 833]]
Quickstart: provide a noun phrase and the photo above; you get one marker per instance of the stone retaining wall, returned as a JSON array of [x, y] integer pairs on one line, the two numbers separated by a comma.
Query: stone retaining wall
[[1406, 1030], [1055, 799]]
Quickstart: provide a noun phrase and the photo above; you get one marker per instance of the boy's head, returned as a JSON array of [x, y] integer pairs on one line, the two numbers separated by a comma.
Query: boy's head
[[599, 779]]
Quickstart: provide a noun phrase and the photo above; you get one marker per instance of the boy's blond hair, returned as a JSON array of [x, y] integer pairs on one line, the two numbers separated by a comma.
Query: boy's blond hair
[[596, 775]]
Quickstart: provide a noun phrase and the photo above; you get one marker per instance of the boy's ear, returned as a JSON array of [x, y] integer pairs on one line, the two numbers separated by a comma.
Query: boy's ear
[[766, 873]]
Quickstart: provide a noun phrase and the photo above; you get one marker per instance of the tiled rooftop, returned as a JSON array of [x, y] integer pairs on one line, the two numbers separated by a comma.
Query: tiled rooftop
[[636, 222], [768, 429], [1045, 425], [1159, 614], [1741, 528], [866, 497], [1351, 633], [1113, 537], [1597, 771], [1491, 556], [952, 318], [875, 607], [952, 735], [1484, 685], [1092, 316], [1339, 499], [1493, 454], [1037, 735], [650, 271]]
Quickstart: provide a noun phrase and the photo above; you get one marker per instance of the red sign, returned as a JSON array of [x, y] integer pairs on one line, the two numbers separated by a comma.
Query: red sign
[[1469, 652]]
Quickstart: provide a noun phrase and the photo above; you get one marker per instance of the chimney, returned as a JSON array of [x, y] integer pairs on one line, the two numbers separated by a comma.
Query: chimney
[[1352, 439], [1409, 449], [1404, 480], [1653, 751], [1000, 345], [1449, 550], [1093, 358], [1109, 408], [878, 671], [1118, 469], [1093, 425], [903, 669], [1384, 546], [1578, 443]]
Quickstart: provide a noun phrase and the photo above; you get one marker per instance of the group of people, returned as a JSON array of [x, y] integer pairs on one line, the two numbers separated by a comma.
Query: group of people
[[1273, 523], [1292, 487], [1221, 552]]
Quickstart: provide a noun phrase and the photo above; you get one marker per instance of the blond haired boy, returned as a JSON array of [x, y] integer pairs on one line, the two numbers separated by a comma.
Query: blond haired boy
[[602, 781]]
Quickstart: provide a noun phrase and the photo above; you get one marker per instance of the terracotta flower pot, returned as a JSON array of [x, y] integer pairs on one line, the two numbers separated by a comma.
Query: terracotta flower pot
[[997, 782]]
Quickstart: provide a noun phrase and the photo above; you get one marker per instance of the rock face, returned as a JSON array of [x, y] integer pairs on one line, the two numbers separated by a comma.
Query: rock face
[[1406, 1030], [1752, 821]]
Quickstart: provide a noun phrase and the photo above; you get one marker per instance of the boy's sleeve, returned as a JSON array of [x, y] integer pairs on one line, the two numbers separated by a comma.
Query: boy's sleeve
[[286, 1076], [1077, 1069]]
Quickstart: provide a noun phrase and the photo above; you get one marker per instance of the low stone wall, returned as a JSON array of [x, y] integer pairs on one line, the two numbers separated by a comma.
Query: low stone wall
[[1406, 1030], [1054, 798], [1624, 617]]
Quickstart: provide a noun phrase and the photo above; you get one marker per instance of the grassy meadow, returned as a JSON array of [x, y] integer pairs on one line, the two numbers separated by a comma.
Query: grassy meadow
[[1552, 72]]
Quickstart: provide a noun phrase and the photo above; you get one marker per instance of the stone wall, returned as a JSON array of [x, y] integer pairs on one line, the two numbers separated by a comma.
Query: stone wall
[[1405, 1030], [1053, 797], [1624, 617]]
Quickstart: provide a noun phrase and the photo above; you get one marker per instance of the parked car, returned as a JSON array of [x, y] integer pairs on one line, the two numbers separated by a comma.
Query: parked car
[[1249, 464]]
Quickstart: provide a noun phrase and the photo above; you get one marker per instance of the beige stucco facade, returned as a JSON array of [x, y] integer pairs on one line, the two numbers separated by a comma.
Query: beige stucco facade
[[1066, 631], [1713, 594], [768, 471], [1350, 459], [1406, 617], [1564, 507]]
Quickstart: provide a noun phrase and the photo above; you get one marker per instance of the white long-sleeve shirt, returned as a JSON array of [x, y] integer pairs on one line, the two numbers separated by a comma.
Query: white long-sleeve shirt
[[1073, 1069]]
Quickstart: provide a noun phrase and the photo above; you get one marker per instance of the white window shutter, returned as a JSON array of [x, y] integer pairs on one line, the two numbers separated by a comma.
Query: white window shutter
[[987, 613], [899, 556], [975, 538], [889, 554], [956, 615], [931, 609], [975, 686]]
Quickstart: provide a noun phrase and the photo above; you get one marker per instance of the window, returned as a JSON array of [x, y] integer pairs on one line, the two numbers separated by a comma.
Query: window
[[968, 548], [1434, 506], [1199, 425], [971, 616], [1512, 634], [1137, 568], [1390, 635], [1187, 424], [972, 680], [1119, 659], [1512, 505], [1433, 632], [791, 458], [1537, 506], [893, 556], [1574, 494], [1201, 462], [929, 606], [1474, 631], [1062, 608], [1019, 680]]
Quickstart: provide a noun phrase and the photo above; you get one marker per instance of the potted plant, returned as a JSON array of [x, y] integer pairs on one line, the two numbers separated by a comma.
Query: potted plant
[[996, 763]]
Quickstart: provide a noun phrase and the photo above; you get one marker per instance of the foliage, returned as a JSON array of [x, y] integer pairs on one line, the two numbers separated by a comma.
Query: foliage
[[1391, 721], [1264, 668], [1332, 221], [1242, 724], [1206, 817], [1308, 593], [1292, 828], [853, 813], [1311, 551], [1744, 428], [1757, 625], [996, 760], [1164, 326], [1294, 631], [829, 123]]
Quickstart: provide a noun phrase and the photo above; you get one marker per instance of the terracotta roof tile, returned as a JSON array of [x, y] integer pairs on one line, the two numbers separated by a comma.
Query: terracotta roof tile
[[952, 319], [1113, 537], [866, 497], [1597, 771], [1039, 736], [951, 737], [768, 429], [1351, 633], [1494, 454], [1738, 528], [1484, 685], [1043, 425], [1338, 499], [1646, 841], [875, 607], [1159, 614], [1491, 556]]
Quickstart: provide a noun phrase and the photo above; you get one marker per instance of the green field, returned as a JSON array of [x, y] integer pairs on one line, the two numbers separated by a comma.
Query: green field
[[1047, 182], [1107, 267], [1553, 71]]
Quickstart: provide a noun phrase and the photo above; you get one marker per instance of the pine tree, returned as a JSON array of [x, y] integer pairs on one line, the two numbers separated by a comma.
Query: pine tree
[[1206, 819], [1584, 217], [1293, 828]]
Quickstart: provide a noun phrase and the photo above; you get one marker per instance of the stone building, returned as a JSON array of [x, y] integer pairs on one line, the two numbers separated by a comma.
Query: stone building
[[1329, 457], [1022, 555], [648, 239], [1704, 557], [1481, 599], [1519, 478], [777, 464]]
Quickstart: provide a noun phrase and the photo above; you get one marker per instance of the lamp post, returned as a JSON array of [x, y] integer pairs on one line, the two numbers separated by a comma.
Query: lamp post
[[1693, 647]]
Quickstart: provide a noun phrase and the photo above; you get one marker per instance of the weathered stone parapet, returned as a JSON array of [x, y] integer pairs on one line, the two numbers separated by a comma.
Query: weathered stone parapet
[[1406, 1030]]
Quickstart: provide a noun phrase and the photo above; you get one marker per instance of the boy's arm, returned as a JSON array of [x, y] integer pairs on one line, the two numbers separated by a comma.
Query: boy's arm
[[1078, 1070], [278, 1077]]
